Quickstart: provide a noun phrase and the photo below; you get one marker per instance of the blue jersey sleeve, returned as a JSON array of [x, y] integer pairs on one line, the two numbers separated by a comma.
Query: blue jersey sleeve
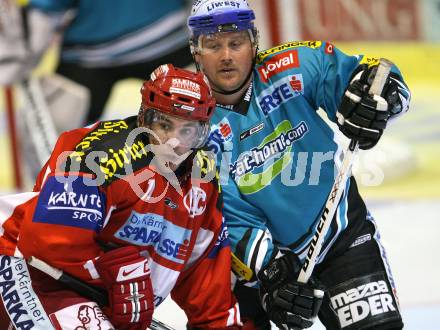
[[250, 239], [336, 71], [52, 5]]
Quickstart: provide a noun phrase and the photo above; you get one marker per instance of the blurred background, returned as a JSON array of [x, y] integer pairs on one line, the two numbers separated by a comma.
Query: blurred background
[[400, 178]]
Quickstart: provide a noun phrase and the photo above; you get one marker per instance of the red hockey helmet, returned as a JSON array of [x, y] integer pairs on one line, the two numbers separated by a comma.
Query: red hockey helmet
[[178, 92]]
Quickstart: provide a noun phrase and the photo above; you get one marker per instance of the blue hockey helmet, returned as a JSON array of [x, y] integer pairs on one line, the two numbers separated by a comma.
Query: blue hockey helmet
[[210, 16]]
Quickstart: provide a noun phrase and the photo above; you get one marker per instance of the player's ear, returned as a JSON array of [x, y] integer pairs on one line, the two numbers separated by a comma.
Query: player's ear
[[197, 57], [254, 49]]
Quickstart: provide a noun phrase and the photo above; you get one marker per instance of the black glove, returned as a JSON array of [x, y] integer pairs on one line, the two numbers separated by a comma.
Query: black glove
[[289, 304], [397, 95], [362, 116]]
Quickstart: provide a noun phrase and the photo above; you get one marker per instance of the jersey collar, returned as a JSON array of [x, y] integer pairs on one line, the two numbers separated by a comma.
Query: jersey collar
[[243, 106]]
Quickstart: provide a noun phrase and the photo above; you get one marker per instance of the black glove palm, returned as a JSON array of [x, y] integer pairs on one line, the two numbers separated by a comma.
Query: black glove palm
[[289, 304]]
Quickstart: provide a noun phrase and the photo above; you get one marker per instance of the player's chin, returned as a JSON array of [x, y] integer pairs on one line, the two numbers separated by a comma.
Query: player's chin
[[230, 83]]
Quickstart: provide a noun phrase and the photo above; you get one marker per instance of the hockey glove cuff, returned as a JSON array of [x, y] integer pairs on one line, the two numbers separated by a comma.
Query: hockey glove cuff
[[362, 116], [289, 304], [126, 275]]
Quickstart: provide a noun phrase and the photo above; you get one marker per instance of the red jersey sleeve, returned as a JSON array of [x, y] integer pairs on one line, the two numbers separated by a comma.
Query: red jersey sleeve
[[60, 223], [15, 209]]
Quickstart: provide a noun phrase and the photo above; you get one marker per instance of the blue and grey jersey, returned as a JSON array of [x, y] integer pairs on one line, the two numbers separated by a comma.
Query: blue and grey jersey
[[278, 156], [118, 32]]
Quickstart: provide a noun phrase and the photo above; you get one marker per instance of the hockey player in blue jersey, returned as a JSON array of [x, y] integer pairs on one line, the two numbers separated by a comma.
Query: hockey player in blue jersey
[[280, 159]]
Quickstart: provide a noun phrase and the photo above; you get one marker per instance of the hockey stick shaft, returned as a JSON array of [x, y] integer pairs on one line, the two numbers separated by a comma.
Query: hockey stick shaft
[[42, 132], [84, 289], [15, 149], [39, 120], [334, 197]]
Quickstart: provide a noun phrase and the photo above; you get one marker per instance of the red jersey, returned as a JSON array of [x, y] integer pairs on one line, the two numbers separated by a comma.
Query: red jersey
[[100, 188]]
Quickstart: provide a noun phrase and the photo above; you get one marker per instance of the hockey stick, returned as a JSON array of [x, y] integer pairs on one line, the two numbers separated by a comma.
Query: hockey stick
[[38, 119], [84, 289], [334, 197], [15, 146]]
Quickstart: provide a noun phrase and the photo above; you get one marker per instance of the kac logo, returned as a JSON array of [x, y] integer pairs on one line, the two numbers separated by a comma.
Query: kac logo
[[195, 201]]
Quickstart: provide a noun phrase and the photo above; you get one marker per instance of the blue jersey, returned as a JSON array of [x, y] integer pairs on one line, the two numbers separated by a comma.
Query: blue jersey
[[117, 32], [278, 155]]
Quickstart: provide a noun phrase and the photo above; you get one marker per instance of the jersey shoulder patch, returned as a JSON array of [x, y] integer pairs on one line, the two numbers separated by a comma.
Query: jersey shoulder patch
[[370, 61], [205, 162], [286, 46], [106, 150]]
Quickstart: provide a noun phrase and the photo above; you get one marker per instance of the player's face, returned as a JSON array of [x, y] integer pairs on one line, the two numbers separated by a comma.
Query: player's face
[[172, 140], [226, 58], [178, 133]]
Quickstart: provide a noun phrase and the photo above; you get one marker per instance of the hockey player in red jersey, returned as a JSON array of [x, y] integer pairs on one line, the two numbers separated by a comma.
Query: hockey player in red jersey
[[130, 206]]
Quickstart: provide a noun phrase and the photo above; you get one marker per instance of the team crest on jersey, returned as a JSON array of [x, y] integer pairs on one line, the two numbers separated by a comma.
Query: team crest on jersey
[[272, 155], [195, 201], [280, 92], [86, 315]]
